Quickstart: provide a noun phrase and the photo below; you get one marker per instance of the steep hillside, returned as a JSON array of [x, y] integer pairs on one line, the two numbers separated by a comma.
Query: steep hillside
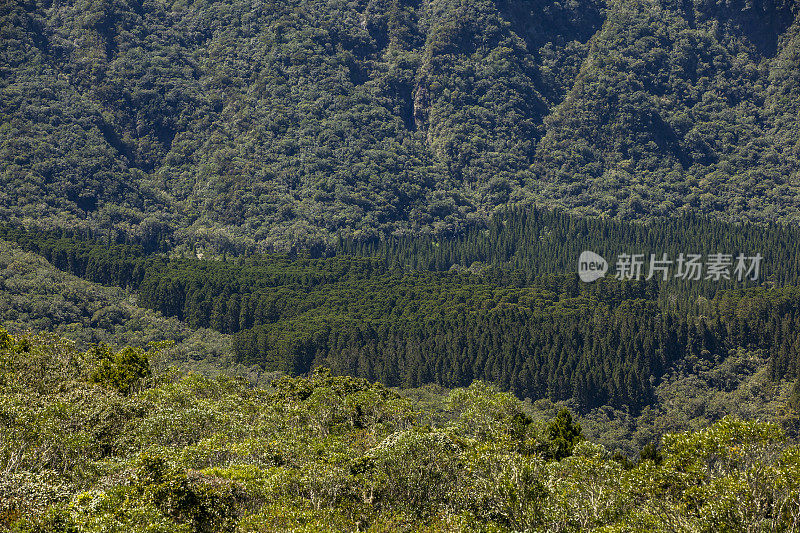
[[677, 108], [274, 123]]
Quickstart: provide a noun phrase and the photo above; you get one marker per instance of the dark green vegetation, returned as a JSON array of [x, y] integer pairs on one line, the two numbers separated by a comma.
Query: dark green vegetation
[[152, 151], [182, 453], [533, 332], [535, 242], [35, 296], [239, 123]]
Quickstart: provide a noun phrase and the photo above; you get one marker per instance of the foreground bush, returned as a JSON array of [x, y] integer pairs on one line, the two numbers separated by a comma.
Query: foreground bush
[[84, 450]]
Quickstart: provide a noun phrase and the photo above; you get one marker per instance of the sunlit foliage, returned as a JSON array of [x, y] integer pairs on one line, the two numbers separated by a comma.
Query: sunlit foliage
[[326, 453]]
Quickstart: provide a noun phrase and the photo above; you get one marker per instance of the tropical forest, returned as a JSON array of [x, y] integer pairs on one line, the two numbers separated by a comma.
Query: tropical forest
[[399, 266]]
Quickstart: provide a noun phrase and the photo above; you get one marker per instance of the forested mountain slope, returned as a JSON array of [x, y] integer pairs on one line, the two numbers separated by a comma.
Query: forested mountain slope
[[276, 123]]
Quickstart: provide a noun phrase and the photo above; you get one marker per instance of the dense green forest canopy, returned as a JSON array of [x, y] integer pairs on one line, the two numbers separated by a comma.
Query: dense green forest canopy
[[693, 393], [273, 123], [99, 440], [542, 241], [517, 317], [328, 209], [36, 296]]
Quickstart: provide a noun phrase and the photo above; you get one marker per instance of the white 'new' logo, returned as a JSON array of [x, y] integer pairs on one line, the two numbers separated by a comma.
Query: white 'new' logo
[[591, 266]]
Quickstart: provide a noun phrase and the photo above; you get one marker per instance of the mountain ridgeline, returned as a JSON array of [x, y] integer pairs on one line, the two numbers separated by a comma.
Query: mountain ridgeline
[[266, 124]]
